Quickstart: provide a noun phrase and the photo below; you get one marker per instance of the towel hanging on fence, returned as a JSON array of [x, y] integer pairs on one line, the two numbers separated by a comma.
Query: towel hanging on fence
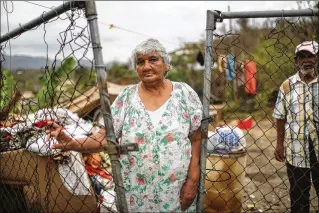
[[221, 63], [240, 73], [251, 69], [230, 69]]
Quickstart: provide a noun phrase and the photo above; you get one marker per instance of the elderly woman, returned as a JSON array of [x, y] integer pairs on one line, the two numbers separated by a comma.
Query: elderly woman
[[163, 118]]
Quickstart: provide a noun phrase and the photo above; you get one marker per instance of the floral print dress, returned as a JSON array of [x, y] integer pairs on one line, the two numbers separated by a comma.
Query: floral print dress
[[154, 175]]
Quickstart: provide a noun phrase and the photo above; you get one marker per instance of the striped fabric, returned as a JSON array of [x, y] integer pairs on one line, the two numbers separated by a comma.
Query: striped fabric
[[300, 107]]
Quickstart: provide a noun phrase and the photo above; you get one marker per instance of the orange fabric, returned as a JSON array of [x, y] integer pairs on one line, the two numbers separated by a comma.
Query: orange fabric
[[93, 165], [94, 171], [251, 82]]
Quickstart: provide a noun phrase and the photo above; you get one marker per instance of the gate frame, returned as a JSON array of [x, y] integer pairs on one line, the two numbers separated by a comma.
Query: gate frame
[[112, 148], [212, 17]]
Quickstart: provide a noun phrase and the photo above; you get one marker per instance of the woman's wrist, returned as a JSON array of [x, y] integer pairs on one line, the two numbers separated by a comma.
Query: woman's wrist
[[193, 180], [193, 172]]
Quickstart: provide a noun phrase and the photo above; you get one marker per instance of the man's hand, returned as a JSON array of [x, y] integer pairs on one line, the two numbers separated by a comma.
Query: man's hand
[[279, 153], [188, 193]]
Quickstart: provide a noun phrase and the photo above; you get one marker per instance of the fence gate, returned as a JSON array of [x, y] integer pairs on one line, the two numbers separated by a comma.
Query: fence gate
[[252, 63], [72, 91]]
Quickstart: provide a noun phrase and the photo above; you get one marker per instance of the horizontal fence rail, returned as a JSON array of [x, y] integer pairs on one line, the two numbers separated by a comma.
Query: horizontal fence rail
[[267, 14], [69, 5]]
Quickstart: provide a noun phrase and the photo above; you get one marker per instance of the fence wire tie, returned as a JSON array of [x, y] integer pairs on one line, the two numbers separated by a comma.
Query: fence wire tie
[[92, 17], [209, 119], [219, 18]]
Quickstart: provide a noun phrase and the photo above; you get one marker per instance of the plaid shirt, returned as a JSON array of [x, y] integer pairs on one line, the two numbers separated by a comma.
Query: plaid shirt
[[299, 107]]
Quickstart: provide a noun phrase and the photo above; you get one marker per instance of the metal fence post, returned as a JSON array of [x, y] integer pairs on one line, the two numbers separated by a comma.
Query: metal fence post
[[210, 27], [91, 14]]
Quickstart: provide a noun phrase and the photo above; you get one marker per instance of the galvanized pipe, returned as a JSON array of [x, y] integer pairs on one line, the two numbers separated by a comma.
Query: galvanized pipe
[[210, 27], [267, 14], [42, 19], [91, 14]]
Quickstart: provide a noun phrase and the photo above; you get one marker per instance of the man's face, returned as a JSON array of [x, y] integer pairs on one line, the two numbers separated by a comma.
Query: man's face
[[150, 67], [306, 62]]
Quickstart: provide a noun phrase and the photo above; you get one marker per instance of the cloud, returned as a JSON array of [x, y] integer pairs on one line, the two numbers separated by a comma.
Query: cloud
[[169, 21]]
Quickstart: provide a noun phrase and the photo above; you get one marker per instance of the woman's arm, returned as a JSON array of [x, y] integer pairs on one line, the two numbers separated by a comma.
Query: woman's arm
[[193, 171], [90, 144], [190, 187]]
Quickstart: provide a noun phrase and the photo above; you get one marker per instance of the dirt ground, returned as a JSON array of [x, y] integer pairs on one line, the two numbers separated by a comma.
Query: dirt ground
[[266, 184]]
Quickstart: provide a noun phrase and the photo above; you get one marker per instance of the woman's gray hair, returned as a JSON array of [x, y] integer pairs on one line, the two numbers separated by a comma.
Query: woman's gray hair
[[147, 47]]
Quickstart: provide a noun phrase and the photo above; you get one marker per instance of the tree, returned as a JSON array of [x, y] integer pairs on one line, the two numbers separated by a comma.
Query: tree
[[7, 83], [121, 74], [49, 94]]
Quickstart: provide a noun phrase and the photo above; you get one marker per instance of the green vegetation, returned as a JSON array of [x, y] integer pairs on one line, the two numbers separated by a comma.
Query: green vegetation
[[7, 84]]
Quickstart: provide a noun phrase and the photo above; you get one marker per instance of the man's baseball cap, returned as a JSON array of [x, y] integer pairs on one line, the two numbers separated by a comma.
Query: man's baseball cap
[[310, 46]]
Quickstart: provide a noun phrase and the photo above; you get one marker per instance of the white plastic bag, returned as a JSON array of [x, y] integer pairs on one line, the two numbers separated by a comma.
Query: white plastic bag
[[226, 139]]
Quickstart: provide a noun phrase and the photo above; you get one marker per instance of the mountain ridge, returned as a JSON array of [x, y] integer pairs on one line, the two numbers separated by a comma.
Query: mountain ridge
[[26, 62]]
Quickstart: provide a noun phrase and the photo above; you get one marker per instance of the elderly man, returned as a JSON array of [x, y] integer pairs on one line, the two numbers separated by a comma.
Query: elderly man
[[297, 123]]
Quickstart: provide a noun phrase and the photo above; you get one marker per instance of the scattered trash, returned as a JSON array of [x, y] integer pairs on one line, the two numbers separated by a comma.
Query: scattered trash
[[252, 196], [250, 206], [245, 124]]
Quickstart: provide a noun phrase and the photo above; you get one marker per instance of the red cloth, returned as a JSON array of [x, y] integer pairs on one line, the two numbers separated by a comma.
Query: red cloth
[[9, 137], [40, 124], [92, 171], [43, 123], [251, 82]]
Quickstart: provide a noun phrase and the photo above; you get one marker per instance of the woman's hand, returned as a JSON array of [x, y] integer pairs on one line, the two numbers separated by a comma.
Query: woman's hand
[[65, 142], [188, 193]]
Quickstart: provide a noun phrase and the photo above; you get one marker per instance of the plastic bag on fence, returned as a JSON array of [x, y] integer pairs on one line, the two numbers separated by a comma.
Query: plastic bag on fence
[[226, 139]]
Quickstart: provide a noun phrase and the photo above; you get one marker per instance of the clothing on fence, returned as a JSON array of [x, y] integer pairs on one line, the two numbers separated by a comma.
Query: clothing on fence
[[251, 82], [230, 69], [240, 73]]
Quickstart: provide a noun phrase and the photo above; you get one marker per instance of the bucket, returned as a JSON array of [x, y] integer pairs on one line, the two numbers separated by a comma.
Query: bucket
[[245, 124], [225, 178]]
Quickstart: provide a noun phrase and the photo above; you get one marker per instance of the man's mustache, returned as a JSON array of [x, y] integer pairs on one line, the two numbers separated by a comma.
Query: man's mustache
[[308, 65]]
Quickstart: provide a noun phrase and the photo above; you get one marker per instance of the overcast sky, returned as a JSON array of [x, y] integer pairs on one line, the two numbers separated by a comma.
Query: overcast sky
[[172, 22]]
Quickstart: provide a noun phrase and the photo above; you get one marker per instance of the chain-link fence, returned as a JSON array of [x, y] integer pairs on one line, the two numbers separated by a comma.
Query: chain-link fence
[[243, 74], [239, 93], [33, 177]]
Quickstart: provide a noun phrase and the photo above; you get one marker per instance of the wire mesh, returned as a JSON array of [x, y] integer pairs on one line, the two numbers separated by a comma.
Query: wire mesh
[[33, 177], [250, 65]]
